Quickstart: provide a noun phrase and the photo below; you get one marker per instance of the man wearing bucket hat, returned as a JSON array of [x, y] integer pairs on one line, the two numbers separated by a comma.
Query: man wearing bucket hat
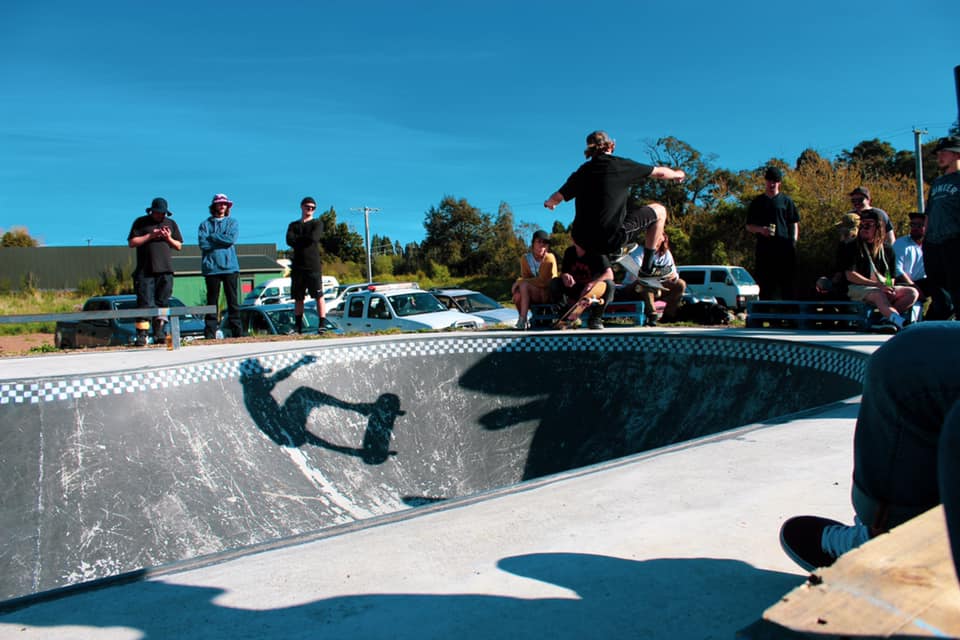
[[941, 245], [217, 236], [154, 236]]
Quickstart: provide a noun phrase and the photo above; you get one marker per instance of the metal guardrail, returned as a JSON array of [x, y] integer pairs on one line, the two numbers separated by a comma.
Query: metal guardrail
[[172, 314]]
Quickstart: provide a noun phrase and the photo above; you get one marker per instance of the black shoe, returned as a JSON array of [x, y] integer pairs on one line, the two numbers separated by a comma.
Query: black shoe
[[652, 272], [595, 323], [812, 541], [141, 339], [651, 322]]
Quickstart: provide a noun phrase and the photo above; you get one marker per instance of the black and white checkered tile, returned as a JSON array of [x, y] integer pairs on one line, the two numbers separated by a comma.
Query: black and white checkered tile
[[847, 364]]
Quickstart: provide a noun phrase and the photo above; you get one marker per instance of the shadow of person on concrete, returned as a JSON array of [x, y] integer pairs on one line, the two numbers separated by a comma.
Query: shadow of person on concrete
[[589, 405], [582, 596], [286, 424]]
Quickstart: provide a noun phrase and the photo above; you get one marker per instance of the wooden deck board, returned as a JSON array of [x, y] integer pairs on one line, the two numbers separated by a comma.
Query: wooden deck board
[[901, 584]]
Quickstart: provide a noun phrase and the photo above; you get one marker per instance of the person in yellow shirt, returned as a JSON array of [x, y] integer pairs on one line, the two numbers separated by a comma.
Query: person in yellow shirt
[[537, 268]]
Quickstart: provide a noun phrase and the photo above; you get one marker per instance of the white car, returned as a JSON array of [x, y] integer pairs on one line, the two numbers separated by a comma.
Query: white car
[[399, 306], [478, 304]]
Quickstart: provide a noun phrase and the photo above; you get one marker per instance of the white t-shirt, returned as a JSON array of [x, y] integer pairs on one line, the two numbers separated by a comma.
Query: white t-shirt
[[664, 262], [909, 256]]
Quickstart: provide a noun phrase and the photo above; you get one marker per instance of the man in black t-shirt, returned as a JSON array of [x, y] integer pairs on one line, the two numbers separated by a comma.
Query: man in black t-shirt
[[306, 270], [581, 274], [601, 187], [154, 236], [773, 218]]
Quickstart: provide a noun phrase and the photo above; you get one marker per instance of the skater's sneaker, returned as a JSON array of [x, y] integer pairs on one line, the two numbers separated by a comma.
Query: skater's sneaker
[[651, 321], [595, 323], [652, 272], [521, 325], [814, 542]]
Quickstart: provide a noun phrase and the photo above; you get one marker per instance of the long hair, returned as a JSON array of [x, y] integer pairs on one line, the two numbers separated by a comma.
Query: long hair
[[598, 143]]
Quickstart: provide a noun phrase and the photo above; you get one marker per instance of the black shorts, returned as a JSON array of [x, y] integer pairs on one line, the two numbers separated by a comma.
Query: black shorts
[[302, 282], [637, 220]]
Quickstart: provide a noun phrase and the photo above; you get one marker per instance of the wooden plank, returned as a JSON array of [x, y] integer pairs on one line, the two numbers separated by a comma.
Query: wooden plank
[[902, 583]]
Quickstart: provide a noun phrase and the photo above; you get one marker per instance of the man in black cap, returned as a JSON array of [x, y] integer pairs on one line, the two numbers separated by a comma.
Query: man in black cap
[[860, 201], [154, 236], [773, 218], [306, 269], [941, 245]]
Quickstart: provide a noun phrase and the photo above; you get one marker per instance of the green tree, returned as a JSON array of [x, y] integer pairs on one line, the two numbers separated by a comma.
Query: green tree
[[339, 241], [18, 237], [873, 158], [504, 246], [702, 190], [456, 233]]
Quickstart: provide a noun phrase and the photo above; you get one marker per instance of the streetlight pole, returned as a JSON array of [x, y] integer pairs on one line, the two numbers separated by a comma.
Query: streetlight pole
[[366, 226], [918, 157]]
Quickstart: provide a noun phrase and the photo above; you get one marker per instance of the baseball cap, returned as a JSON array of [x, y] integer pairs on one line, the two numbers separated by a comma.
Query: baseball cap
[[861, 191], [542, 235], [773, 174], [950, 143]]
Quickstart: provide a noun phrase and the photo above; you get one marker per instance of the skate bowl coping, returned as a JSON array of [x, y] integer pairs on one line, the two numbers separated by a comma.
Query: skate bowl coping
[[107, 474]]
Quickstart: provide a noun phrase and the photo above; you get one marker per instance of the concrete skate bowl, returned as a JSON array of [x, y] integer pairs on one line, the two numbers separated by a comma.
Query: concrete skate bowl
[[107, 474]]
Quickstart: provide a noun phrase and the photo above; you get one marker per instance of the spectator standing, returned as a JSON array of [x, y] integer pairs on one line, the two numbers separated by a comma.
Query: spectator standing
[[860, 201], [217, 236], [673, 285], [306, 269], [155, 236], [773, 218], [602, 223], [537, 268], [908, 251], [941, 246], [584, 274], [870, 267]]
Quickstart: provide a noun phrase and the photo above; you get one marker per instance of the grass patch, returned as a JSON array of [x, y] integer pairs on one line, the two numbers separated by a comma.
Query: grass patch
[[37, 302]]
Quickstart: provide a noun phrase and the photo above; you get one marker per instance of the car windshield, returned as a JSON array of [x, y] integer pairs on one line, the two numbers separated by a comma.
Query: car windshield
[[411, 304], [284, 321], [742, 276], [476, 302]]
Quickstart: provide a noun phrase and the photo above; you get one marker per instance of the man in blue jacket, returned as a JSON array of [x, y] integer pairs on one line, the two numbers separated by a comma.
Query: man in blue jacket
[[217, 236]]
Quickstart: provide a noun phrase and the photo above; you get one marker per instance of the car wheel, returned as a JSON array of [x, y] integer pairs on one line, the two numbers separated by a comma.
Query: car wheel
[[722, 302]]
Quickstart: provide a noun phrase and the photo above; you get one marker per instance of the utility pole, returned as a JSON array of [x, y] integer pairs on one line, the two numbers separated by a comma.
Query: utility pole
[[366, 225], [918, 157]]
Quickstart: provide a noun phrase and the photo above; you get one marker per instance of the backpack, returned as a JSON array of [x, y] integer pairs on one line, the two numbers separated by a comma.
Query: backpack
[[707, 313]]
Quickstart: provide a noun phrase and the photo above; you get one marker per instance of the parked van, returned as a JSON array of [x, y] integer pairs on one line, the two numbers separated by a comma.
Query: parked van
[[278, 290], [733, 287]]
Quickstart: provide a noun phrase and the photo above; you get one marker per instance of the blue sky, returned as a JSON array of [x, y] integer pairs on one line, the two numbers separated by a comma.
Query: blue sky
[[394, 105]]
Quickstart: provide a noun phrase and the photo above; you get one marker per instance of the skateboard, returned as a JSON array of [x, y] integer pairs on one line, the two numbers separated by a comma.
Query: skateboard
[[570, 318], [586, 301]]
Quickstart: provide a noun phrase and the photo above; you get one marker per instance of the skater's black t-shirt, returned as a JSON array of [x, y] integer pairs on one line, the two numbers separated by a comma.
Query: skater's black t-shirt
[[601, 187]]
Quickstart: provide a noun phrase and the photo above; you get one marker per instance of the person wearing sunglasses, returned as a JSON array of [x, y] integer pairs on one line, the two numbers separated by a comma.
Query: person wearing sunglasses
[[306, 269]]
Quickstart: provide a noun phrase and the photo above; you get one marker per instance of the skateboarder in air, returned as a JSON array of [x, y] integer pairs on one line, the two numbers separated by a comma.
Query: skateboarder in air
[[601, 186]]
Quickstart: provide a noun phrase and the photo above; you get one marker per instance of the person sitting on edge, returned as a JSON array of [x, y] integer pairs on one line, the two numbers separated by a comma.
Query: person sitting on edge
[[601, 186], [672, 285], [537, 268], [870, 268], [584, 274], [835, 286], [906, 447]]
